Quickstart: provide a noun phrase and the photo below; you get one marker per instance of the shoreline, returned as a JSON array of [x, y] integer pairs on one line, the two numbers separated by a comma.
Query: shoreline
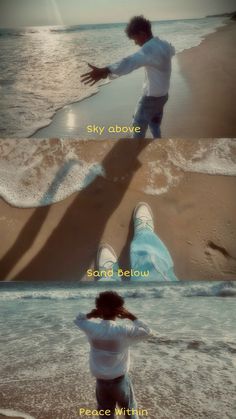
[[213, 90], [46, 372], [190, 91], [4, 416]]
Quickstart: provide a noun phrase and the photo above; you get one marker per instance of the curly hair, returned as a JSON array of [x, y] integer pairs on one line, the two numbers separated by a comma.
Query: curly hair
[[138, 24], [108, 302]]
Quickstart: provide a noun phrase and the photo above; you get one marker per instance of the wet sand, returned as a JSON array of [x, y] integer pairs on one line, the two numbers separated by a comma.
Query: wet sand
[[201, 103], [4, 416], [195, 217], [15, 415], [7, 416], [209, 71]]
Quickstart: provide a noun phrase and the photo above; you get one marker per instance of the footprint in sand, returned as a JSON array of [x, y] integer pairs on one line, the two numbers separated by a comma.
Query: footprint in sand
[[220, 258]]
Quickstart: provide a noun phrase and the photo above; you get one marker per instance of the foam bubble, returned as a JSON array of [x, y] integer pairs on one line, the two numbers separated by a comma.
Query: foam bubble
[[161, 177], [40, 173], [217, 157], [14, 413], [213, 157]]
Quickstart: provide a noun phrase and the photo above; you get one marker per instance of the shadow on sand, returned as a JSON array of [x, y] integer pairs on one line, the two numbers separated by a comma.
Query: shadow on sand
[[71, 248]]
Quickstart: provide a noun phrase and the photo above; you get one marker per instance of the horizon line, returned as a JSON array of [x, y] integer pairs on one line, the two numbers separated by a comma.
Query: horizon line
[[106, 23]]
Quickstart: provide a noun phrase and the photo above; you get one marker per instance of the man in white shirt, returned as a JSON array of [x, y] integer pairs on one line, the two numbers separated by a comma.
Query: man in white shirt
[[109, 352], [155, 56]]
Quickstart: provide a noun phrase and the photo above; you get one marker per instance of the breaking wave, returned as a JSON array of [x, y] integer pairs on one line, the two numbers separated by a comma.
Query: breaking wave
[[141, 291]]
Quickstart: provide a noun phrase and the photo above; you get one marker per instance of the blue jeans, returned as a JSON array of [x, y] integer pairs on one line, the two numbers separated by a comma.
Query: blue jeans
[[148, 253], [149, 113], [118, 391]]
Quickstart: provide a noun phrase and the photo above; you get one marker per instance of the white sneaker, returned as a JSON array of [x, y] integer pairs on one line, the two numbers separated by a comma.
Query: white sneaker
[[143, 217], [106, 258]]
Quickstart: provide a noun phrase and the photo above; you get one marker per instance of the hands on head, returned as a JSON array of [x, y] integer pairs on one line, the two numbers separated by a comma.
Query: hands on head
[[121, 313], [95, 313], [94, 75]]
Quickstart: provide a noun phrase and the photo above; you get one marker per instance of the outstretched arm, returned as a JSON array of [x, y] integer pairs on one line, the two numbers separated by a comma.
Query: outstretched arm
[[95, 75], [120, 68], [129, 64]]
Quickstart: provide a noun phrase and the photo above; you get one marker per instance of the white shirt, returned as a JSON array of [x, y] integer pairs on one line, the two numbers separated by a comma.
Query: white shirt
[[109, 344], [155, 56]]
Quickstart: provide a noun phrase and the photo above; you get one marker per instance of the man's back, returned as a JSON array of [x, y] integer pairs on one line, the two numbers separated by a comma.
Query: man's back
[[155, 56], [158, 66], [109, 344]]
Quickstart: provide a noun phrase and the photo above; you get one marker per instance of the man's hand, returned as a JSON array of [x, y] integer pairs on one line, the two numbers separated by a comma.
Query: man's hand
[[94, 313], [123, 313], [94, 75]]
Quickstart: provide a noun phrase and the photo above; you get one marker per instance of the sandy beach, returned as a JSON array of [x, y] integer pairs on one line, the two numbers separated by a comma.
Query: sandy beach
[[64, 191], [186, 368], [209, 70], [201, 103], [194, 213]]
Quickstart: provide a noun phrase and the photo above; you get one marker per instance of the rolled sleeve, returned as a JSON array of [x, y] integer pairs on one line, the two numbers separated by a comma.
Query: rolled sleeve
[[139, 331], [79, 318], [83, 323], [128, 64]]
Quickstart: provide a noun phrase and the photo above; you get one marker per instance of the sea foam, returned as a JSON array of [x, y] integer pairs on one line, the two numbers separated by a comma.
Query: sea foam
[[14, 413], [42, 172], [212, 157], [41, 67], [142, 291], [187, 368]]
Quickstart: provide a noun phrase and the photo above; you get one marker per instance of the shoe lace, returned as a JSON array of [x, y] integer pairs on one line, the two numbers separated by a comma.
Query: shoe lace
[[109, 264], [143, 222]]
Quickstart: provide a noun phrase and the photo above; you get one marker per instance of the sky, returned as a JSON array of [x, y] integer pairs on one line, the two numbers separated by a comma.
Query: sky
[[15, 13]]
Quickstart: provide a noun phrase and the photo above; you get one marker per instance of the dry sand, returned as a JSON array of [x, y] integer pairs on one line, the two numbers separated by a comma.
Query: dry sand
[[196, 218], [210, 72]]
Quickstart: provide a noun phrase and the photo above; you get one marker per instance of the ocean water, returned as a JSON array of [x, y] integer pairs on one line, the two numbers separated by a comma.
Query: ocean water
[[40, 67], [42, 172], [187, 370]]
